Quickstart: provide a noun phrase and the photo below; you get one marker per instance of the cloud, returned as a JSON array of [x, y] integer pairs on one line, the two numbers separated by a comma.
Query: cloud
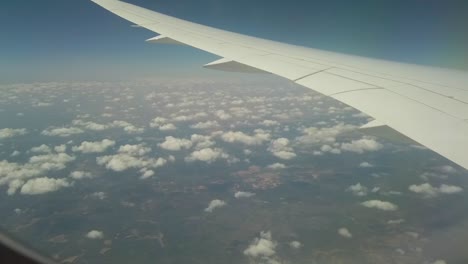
[[146, 173], [127, 127], [381, 205], [447, 169], [215, 204], [95, 234], [263, 248], [201, 141], [258, 138], [174, 144], [99, 195], [429, 191], [11, 132], [425, 189], [361, 145], [207, 155], [167, 127], [344, 232], [90, 125], [158, 121], [130, 156], [79, 175], [449, 189], [439, 261], [14, 174], [221, 114], [94, 147], [43, 185], [124, 161], [295, 244], [357, 189], [365, 164], [276, 166], [330, 149], [62, 131], [269, 123], [41, 149], [239, 195], [205, 125], [281, 149], [395, 221], [134, 150], [314, 135], [60, 148]]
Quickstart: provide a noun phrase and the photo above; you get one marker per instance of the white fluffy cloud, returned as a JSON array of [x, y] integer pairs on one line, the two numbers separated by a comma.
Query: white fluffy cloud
[[221, 114], [357, 189], [158, 121], [344, 232], [95, 234], [11, 132], [381, 205], [207, 155], [62, 131], [314, 135], [134, 150], [94, 147], [89, 125], [239, 194], [43, 185], [145, 173], [14, 174], [201, 141], [167, 127], [429, 191], [79, 175], [41, 149], [269, 123], [263, 249], [127, 127], [123, 161], [205, 125], [281, 149], [362, 145], [130, 156], [295, 244], [174, 144], [365, 164], [215, 204], [258, 138], [276, 166]]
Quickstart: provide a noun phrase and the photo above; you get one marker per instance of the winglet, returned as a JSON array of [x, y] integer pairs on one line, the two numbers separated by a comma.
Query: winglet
[[229, 65], [379, 129], [163, 40]]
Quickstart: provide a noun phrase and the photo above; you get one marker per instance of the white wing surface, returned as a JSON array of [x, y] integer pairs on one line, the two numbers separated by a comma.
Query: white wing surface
[[417, 103]]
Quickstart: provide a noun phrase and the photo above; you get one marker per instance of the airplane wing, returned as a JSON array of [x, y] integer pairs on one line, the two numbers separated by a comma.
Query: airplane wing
[[422, 104]]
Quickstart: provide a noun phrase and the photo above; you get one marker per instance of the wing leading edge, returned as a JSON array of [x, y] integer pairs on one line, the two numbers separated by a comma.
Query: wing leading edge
[[420, 104]]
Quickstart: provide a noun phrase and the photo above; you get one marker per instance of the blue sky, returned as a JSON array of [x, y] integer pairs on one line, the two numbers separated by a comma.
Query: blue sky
[[77, 40]]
